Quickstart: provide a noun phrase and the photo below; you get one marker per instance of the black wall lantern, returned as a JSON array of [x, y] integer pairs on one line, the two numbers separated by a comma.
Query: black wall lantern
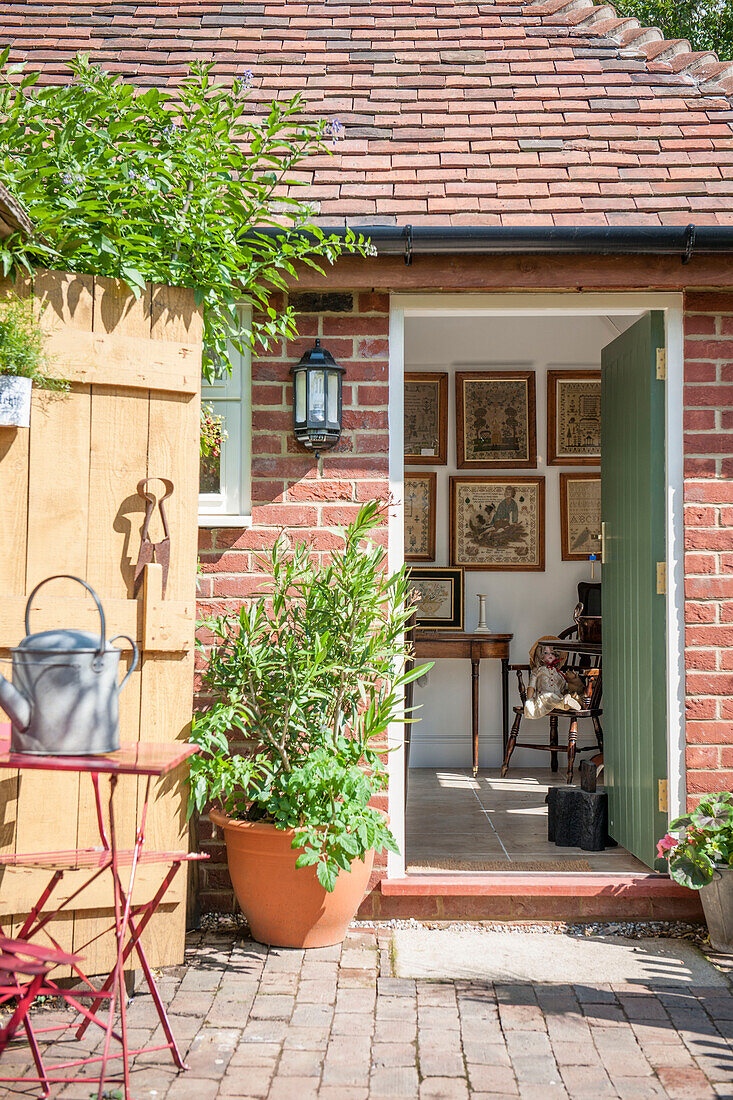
[[317, 385]]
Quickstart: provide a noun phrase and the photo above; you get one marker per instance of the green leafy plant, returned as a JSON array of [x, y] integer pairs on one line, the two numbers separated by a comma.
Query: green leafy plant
[[166, 185], [22, 352], [699, 842], [312, 673]]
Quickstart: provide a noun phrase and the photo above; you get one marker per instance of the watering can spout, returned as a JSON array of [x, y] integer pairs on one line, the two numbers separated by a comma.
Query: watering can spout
[[15, 705]]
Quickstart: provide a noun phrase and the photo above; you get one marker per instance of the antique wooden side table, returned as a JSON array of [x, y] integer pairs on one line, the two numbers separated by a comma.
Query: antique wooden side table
[[473, 647]]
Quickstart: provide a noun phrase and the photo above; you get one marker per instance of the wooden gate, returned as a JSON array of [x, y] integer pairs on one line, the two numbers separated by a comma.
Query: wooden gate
[[70, 505]]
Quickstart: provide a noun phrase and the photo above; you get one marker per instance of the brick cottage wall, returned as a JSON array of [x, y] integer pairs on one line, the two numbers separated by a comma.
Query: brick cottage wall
[[709, 541], [288, 491]]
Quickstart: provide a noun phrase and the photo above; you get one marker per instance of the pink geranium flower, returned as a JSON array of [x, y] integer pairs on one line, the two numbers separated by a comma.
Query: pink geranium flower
[[663, 846]]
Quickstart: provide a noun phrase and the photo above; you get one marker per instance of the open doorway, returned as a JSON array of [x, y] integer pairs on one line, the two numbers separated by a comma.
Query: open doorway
[[455, 820]]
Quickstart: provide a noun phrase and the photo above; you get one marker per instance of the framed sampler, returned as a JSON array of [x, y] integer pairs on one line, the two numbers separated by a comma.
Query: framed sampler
[[580, 515], [498, 523], [439, 596], [574, 417], [420, 491], [426, 419], [496, 419]]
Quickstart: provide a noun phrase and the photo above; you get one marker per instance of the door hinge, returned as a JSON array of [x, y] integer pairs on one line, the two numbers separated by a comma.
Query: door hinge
[[663, 806], [661, 578], [662, 364]]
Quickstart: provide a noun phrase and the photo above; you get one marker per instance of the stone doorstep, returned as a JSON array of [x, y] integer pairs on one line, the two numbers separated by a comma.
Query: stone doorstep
[[534, 895], [535, 883]]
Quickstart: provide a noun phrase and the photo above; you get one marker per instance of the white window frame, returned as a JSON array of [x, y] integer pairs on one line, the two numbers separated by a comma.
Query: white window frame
[[232, 397]]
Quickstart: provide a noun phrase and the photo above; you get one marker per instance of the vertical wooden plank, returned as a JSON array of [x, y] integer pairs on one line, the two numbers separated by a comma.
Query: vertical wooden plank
[[167, 692], [13, 543], [117, 461], [58, 497]]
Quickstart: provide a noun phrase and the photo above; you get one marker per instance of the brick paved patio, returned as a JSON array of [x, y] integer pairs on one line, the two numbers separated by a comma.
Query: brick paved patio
[[334, 1024]]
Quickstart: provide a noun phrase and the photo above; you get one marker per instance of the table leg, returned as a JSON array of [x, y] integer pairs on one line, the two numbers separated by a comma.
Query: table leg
[[504, 705], [474, 711]]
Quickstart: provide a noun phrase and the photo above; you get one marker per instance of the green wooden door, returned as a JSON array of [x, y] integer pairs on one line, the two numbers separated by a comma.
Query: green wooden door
[[634, 633]]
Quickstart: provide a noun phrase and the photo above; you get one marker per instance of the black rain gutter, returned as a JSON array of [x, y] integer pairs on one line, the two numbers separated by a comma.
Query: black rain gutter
[[409, 240]]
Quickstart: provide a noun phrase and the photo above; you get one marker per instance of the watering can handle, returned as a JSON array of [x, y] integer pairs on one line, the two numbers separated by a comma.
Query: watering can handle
[[135, 656], [92, 593]]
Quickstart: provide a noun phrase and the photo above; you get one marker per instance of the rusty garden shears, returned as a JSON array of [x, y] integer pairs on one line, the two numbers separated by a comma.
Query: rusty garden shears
[[159, 552]]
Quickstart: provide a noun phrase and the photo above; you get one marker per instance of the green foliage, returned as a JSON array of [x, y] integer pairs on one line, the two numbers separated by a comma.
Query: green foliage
[[699, 842], [22, 352], [706, 24], [312, 673], [164, 186]]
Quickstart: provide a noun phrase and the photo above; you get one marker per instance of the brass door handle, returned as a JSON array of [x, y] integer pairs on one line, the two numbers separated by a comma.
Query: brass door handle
[[603, 544]]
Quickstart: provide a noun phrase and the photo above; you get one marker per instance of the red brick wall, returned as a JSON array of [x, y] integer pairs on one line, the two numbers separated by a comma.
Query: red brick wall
[[709, 541], [288, 490]]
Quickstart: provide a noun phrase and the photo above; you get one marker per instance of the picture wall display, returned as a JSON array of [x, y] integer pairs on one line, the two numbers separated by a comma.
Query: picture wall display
[[420, 494], [497, 519], [496, 419], [426, 419], [574, 417], [498, 523], [438, 593], [580, 516]]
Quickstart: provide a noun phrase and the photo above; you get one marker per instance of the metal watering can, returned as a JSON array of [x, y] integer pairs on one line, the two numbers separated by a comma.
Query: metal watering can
[[63, 700]]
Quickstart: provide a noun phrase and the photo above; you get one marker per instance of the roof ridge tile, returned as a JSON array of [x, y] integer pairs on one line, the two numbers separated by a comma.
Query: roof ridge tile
[[587, 14]]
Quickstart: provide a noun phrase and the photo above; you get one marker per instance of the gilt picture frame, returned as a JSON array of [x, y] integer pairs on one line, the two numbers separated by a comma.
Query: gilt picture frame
[[440, 597], [580, 515], [496, 421], [419, 511], [426, 418], [498, 523], [574, 417]]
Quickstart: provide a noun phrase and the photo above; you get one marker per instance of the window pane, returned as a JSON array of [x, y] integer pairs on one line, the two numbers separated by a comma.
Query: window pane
[[300, 397], [317, 410], [210, 474], [333, 397]]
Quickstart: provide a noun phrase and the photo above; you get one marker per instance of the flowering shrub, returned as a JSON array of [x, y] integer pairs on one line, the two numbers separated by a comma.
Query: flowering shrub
[[699, 842], [213, 432]]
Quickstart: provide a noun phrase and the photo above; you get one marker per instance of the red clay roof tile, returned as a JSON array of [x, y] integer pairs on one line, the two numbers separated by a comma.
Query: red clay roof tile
[[504, 113]]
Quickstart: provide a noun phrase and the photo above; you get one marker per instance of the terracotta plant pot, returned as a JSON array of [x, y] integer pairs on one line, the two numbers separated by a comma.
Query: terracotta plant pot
[[286, 906]]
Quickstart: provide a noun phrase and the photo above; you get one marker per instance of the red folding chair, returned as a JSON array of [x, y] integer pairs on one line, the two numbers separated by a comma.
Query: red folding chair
[[25, 965]]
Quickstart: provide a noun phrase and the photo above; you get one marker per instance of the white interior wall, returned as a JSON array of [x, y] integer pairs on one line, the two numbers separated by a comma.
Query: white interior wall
[[526, 605]]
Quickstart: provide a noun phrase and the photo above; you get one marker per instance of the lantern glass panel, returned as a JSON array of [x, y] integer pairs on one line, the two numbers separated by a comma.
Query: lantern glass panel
[[300, 397], [333, 397], [317, 403]]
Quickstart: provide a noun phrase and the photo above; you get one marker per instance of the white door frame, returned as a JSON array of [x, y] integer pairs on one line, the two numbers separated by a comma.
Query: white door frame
[[553, 304]]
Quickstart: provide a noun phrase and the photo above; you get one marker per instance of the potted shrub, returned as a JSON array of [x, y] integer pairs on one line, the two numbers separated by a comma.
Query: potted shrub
[[311, 674], [22, 362], [699, 850]]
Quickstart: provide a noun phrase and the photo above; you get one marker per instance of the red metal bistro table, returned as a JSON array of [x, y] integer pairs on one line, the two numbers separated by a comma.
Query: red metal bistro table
[[150, 761]]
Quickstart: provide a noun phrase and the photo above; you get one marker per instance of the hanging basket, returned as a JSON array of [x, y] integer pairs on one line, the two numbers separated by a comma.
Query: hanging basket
[[15, 401]]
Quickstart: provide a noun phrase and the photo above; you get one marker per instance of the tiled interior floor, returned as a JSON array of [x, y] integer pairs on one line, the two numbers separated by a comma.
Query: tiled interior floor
[[451, 815]]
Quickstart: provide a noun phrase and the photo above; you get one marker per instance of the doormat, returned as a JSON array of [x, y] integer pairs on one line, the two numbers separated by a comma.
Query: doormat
[[497, 865]]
